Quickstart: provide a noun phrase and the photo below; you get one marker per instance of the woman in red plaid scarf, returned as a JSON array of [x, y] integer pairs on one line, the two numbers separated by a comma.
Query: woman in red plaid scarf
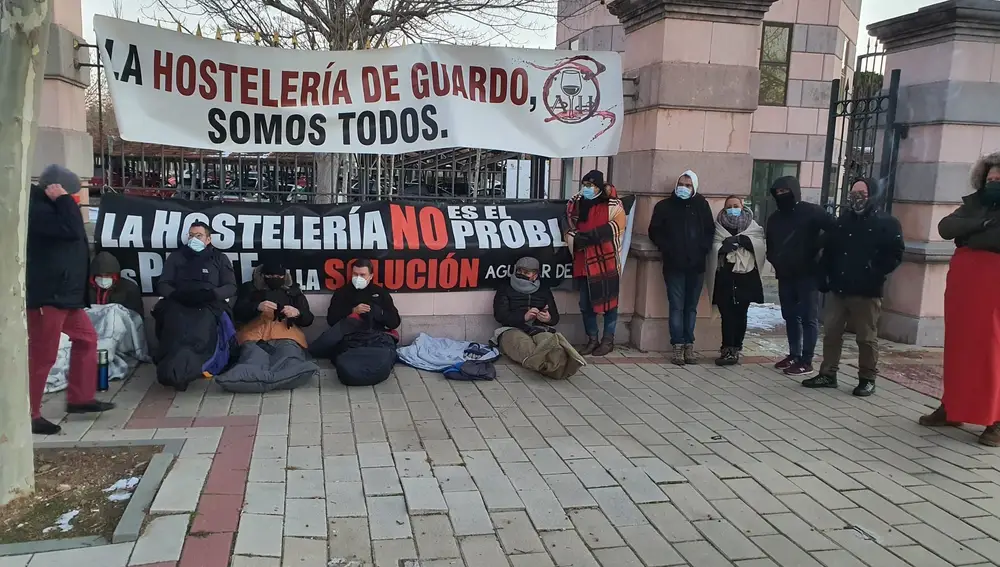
[[597, 222]]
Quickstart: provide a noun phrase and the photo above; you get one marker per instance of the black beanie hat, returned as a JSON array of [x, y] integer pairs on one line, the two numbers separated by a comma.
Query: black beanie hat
[[596, 177], [272, 267], [58, 174]]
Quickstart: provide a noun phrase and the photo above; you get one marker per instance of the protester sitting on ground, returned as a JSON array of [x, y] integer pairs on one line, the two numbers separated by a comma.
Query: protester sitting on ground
[[362, 338], [597, 223], [527, 310], [734, 274], [270, 312], [193, 323], [107, 286], [58, 258]]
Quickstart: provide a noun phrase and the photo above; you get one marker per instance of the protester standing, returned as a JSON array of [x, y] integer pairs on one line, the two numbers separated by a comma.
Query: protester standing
[[734, 274], [597, 223], [683, 228], [972, 309], [859, 253], [58, 266], [793, 242]]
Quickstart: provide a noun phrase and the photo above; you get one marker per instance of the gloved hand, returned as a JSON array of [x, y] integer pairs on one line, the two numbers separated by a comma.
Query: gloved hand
[[730, 245]]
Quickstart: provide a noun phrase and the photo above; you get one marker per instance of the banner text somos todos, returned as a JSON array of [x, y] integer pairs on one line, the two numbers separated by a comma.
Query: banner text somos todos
[[415, 247], [181, 90]]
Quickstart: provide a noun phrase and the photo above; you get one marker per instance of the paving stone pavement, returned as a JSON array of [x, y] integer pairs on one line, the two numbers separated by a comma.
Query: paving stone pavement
[[633, 462]]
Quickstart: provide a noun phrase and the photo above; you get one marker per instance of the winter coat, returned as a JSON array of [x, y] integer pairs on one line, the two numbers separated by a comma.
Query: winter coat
[[510, 306], [794, 236], [186, 270], [123, 291], [683, 229], [726, 287], [255, 326], [383, 315], [58, 259], [861, 250], [966, 225]]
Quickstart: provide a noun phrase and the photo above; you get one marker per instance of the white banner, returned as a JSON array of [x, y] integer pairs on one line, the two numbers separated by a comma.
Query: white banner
[[181, 90]]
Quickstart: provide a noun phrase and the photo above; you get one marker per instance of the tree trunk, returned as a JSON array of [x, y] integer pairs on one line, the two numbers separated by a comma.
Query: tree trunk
[[24, 42]]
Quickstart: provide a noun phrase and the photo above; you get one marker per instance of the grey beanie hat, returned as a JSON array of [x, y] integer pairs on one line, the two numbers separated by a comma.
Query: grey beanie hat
[[528, 263], [59, 174]]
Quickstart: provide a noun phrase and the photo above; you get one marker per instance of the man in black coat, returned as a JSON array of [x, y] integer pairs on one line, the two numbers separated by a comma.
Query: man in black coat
[[864, 247], [58, 266], [793, 242], [683, 227]]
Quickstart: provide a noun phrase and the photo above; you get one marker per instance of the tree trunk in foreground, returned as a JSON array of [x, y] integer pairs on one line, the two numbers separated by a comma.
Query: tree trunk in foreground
[[24, 36]]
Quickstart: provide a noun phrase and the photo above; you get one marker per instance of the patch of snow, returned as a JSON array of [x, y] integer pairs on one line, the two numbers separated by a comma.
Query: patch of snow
[[94, 211], [63, 522], [122, 489], [764, 317]]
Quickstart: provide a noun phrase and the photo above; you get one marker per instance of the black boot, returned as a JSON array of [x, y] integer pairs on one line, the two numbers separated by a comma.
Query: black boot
[[820, 382], [728, 357], [42, 426], [589, 348], [865, 388], [93, 406], [606, 347]]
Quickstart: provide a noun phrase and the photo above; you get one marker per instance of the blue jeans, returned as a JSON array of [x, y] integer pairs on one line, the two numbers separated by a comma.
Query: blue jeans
[[683, 292], [590, 317], [799, 299]]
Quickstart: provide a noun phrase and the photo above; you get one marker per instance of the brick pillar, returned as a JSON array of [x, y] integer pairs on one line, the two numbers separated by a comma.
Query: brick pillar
[[696, 66], [62, 120], [948, 55]]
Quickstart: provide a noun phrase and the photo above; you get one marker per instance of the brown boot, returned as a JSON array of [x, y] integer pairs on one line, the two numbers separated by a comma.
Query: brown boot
[[678, 356], [937, 418], [606, 347], [589, 348], [689, 356], [991, 437]]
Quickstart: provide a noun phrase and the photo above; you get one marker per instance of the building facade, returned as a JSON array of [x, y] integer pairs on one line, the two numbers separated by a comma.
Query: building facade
[[802, 46]]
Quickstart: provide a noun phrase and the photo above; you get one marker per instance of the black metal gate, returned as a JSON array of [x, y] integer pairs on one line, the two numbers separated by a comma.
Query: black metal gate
[[862, 138]]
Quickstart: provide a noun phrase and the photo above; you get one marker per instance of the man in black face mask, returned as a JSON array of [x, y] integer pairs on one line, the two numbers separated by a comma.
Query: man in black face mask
[[864, 247], [271, 306], [793, 242]]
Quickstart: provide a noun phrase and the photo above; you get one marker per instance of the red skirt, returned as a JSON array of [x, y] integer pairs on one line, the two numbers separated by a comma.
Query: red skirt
[[972, 338]]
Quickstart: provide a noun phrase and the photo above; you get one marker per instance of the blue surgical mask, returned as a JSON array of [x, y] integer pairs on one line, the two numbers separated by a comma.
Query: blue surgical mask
[[682, 192], [195, 244], [588, 193], [734, 212]]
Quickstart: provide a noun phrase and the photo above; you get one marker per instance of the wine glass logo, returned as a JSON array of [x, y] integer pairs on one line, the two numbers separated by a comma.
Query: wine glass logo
[[571, 83]]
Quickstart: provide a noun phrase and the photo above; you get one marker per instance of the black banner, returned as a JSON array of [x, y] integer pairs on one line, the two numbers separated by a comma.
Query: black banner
[[414, 246]]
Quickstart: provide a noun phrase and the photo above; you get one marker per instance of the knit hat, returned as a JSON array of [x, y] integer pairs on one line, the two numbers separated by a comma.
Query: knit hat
[[272, 267], [596, 177], [57, 174]]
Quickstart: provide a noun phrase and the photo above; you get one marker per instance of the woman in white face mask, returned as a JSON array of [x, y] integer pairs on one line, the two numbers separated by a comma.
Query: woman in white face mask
[[107, 286]]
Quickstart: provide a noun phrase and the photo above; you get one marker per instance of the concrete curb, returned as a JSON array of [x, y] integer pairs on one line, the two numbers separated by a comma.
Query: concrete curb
[[130, 524]]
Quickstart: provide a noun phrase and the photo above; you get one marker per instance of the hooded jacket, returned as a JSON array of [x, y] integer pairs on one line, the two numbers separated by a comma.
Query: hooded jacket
[[58, 259], [968, 225], [793, 235], [123, 291], [683, 230], [862, 249], [255, 326]]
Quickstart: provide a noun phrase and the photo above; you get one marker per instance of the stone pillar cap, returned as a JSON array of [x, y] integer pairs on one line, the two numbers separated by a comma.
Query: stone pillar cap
[[955, 20], [635, 14]]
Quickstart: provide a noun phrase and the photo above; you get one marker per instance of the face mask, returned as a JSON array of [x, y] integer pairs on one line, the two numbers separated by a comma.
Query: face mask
[[785, 201], [104, 282], [196, 245], [991, 194], [275, 283], [734, 211], [682, 192], [588, 193], [359, 282], [858, 202]]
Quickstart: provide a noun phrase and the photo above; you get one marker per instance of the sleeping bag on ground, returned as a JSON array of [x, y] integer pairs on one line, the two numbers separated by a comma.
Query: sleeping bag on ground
[[362, 356], [264, 366], [193, 343]]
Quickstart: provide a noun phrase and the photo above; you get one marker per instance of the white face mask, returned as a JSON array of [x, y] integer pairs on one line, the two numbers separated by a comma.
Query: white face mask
[[359, 282], [104, 283]]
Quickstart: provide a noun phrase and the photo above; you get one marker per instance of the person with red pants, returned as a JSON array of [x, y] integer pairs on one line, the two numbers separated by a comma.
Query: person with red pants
[[58, 265]]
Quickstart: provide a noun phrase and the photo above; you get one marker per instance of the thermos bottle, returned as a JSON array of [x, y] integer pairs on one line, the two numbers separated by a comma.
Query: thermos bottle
[[102, 371]]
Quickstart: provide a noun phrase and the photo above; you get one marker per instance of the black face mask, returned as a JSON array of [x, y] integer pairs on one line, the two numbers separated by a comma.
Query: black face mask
[[275, 283], [991, 194], [785, 201]]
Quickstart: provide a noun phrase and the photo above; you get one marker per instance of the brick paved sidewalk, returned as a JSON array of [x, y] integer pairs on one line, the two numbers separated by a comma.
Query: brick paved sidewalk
[[633, 463]]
